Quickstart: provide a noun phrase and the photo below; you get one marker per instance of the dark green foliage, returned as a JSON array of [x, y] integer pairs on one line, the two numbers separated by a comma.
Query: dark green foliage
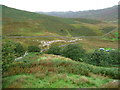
[[100, 58], [115, 57], [54, 50], [10, 50], [73, 51], [33, 49], [19, 50], [103, 58]]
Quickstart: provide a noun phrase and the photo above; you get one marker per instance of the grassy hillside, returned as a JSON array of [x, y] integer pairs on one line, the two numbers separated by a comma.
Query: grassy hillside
[[107, 14], [51, 71], [21, 23], [113, 35]]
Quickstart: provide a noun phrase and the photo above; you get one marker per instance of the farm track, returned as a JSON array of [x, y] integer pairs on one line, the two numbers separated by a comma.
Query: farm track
[[52, 36]]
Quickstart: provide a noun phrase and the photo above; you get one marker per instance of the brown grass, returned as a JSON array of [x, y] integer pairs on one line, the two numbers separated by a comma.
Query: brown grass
[[89, 44], [83, 79], [112, 84], [40, 75], [98, 75]]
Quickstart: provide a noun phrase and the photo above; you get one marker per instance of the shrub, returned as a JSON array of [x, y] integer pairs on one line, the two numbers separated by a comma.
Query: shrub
[[19, 50], [73, 51], [103, 58], [54, 50], [115, 57], [8, 53], [10, 50], [33, 49]]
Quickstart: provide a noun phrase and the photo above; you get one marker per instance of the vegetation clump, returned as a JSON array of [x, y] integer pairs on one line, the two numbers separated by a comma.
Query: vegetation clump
[[73, 51], [33, 49], [56, 50], [10, 51], [103, 57]]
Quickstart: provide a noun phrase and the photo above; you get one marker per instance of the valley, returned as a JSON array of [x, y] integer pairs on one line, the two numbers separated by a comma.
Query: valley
[[42, 51]]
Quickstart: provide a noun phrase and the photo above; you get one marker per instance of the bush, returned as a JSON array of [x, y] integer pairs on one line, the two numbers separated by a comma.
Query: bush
[[33, 49], [103, 58], [115, 57], [19, 50], [10, 51], [74, 52], [54, 50]]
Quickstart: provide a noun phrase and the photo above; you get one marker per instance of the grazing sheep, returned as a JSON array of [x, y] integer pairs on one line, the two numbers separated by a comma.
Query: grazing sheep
[[102, 49], [107, 50]]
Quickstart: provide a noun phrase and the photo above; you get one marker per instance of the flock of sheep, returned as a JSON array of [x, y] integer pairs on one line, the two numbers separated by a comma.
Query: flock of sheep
[[48, 43]]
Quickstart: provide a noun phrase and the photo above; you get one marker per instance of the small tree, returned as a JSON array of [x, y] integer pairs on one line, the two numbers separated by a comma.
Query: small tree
[[19, 50], [100, 58], [10, 51], [54, 50], [33, 49], [8, 54], [73, 51], [115, 57]]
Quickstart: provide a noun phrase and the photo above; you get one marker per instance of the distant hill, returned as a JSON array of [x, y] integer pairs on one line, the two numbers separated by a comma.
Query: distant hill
[[107, 14], [22, 23]]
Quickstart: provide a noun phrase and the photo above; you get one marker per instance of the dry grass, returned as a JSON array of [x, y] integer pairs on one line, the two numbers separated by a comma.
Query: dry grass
[[83, 79], [40, 75], [112, 84], [90, 44], [98, 75], [51, 56]]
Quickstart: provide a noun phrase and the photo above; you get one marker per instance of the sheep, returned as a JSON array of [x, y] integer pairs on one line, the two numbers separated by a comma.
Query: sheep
[[107, 50], [102, 49]]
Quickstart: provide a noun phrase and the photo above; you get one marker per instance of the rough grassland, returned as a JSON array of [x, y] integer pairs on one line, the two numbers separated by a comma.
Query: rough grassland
[[51, 71], [23, 23]]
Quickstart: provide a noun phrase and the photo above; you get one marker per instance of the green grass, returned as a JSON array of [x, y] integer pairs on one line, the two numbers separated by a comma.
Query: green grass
[[89, 21], [51, 71], [53, 81]]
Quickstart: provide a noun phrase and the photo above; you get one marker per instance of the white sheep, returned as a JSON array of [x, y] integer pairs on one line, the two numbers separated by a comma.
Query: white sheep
[[102, 49]]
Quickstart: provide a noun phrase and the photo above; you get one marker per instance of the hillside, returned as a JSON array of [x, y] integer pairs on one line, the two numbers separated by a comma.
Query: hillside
[[107, 14], [52, 71], [113, 35], [23, 23], [43, 51]]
